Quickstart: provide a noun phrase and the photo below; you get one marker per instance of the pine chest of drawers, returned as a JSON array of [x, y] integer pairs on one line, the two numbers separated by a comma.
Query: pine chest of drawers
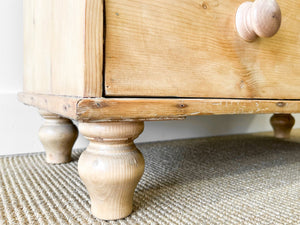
[[113, 64]]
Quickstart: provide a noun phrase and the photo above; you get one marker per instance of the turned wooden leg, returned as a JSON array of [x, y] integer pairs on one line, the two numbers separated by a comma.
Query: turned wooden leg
[[282, 125], [111, 167], [58, 136]]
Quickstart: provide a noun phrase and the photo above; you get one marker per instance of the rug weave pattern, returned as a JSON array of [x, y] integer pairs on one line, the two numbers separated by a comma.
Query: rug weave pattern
[[224, 180]]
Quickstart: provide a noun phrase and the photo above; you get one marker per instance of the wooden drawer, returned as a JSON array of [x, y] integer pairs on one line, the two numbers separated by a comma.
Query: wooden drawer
[[190, 48]]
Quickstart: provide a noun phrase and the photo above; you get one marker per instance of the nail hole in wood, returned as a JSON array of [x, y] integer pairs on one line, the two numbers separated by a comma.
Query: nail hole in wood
[[181, 106], [204, 5], [280, 104], [101, 104]]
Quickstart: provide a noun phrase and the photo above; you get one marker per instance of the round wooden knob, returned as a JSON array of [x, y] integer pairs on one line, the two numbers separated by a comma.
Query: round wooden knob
[[261, 18]]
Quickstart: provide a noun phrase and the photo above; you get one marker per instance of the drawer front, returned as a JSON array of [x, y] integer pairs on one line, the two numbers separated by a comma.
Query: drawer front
[[190, 48]]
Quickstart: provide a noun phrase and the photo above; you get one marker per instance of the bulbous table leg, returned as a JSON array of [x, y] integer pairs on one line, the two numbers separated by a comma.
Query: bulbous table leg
[[111, 167], [58, 136], [282, 125]]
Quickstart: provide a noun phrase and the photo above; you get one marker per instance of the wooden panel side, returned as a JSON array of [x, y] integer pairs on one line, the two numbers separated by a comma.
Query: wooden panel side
[[190, 48], [68, 24], [37, 46], [93, 48], [54, 46]]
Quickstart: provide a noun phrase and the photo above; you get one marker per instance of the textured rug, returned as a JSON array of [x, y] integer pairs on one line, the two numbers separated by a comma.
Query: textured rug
[[243, 179]]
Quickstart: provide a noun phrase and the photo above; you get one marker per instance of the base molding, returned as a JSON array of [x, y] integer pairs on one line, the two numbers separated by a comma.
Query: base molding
[[149, 109]]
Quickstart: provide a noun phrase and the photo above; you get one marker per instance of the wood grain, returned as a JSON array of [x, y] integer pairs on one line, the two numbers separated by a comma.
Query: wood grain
[[93, 48], [189, 48], [118, 109], [111, 167], [60, 105], [37, 46], [58, 136], [63, 42]]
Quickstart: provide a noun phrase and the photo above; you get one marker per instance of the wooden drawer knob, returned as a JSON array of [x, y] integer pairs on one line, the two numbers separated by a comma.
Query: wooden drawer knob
[[261, 18]]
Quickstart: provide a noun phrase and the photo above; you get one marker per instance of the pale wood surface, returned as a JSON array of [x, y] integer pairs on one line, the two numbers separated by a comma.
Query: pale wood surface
[[116, 109], [61, 105], [93, 48], [260, 18], [282, 125], [192, 49], [111, 167], [58, 136], [63, 42], [103, 109]]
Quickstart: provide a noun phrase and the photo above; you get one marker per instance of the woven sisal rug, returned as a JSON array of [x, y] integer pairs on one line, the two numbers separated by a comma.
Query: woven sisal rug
[[223, 180]]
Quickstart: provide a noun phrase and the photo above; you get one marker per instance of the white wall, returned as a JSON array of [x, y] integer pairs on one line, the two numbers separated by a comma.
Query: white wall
[[19, 124]]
